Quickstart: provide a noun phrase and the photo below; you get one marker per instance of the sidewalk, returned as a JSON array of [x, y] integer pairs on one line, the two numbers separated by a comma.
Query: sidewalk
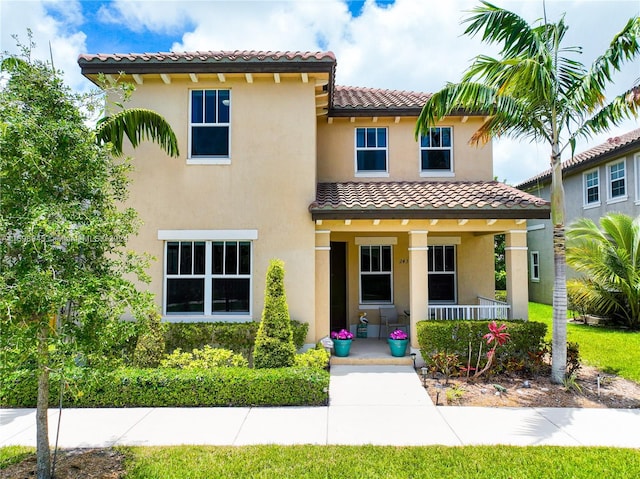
[[382, 405]]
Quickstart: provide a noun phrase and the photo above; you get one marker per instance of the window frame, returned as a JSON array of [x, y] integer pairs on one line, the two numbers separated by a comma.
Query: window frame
[[433, 272], [371, 173], [208, 159], [585, 189], [208, 277], [636, 170], [534, 266], [362, 273], [431, 172], [610, 180]]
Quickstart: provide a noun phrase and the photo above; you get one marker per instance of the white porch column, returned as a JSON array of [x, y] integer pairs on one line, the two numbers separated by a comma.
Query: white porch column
[[517, 283], [418, 293], [322, 312]]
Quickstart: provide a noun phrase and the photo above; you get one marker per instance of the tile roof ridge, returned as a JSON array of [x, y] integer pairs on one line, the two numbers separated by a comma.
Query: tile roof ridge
[[204, 54]]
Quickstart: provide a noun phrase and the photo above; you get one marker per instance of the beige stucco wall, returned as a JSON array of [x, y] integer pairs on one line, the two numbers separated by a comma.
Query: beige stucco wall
[[267, 187], [336, 150]]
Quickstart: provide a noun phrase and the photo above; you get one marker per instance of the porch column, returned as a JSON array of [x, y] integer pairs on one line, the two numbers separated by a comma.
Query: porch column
[[323, 250], [515, 252], [418, 295]]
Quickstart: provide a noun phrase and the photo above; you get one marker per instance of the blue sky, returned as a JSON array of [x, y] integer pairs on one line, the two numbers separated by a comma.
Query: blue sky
[[397, 44]]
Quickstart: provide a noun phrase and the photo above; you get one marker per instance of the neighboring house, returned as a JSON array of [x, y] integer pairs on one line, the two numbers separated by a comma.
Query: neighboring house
[[278, 162], [601, 180]]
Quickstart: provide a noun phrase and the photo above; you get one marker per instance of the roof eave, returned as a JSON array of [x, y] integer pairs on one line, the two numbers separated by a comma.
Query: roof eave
[[542, 212]]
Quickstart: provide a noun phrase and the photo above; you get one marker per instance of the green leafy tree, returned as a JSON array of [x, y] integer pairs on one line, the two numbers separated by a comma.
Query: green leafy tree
[[274, 341], [537, 90], [63, 264], [610, 259]]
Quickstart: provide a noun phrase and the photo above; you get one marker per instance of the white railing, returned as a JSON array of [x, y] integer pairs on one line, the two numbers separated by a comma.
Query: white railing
[[486, 308]]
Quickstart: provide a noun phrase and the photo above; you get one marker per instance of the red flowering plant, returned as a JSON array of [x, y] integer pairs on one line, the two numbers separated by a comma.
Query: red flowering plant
[[342, 334], [496, 335], [398, 334]]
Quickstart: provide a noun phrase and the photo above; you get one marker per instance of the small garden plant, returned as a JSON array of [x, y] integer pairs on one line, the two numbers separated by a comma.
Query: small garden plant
[[398, 334], [342, 334]]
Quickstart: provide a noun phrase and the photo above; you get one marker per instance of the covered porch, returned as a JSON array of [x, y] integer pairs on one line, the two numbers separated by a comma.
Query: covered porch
[[425, 249]]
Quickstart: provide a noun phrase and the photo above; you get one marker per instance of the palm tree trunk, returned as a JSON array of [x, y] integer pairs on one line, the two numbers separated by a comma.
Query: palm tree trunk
[[559, 334], [43, 456]]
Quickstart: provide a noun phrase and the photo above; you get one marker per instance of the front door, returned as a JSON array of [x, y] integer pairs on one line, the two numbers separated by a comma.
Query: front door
[[338, 286]]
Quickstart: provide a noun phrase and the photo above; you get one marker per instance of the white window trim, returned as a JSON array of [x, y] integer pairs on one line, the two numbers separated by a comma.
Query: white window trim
[[365, 173], [207, 160], [586, 205], [365, 304], [455, 271], [617, 199], [636, 170], [436, 173], [208, 235], [532, 263]]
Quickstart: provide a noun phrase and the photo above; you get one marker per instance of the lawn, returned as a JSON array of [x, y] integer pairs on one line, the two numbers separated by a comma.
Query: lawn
[[321, 462], [610, 350]]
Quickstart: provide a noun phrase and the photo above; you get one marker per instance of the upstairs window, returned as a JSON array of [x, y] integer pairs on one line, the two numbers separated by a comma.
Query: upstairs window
[[371, 150], [436, 151], [617, 181], [209, 124], [591, 188]]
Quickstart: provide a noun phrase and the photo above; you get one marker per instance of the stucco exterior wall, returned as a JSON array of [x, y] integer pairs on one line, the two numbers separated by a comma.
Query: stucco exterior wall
[[267, 187], [336, 150]]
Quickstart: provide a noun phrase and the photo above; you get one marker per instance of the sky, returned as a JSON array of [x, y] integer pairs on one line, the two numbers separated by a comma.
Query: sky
[[414, 45]]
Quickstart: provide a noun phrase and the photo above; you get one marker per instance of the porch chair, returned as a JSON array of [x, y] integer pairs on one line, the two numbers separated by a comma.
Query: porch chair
[[389, 318]]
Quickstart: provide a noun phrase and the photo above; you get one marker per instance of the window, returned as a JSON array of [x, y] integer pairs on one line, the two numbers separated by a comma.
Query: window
[[637, 176], [208, 277], [591, 188], [617, 186], [436, 151], [376, 276], [371, 150], [442, 274], [209, 124], [534, 266]]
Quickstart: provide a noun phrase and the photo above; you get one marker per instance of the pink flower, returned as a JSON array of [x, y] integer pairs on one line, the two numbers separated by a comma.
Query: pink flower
[[342, 334], [398, 334], [496, 333]]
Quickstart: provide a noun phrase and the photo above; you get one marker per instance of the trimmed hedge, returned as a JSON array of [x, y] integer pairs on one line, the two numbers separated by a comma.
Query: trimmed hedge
[[453, 336], [129, 387]]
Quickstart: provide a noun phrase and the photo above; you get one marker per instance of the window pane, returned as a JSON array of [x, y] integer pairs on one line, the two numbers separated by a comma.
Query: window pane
[[372, 160], [231, 258], [424, 141], [198, 257], [245, 258], [223, 109], [436, 159], [446, 137], [230, 295], [449, 258], [617, 188], [375, 258], [217, 265], [435, 137], [442, 287], [210, 106], [376, 288], [371, 137], [430, 257], [185, 258], [360, 143], [196, 106], [185, 296], [365, 258], [386, 258], [382, 138], [210, 141], [438, 259], [172, 257]]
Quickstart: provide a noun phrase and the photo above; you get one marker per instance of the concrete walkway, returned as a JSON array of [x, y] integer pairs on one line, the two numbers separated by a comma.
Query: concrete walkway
[[383, 405]]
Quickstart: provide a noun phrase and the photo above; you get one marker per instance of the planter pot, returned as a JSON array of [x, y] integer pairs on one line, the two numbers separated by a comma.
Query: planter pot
[[341, 347], [398, 347]]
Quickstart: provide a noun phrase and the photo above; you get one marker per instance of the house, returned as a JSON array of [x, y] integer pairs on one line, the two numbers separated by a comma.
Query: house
[[279, 162], [598, 181]]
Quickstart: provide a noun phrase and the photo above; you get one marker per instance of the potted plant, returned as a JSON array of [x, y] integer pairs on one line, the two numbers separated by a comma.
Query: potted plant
[[398, 341], [342, 342]]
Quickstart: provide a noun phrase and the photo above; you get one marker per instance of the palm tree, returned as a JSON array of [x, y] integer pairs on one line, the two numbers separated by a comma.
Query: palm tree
[[536, 90], [611, 260]]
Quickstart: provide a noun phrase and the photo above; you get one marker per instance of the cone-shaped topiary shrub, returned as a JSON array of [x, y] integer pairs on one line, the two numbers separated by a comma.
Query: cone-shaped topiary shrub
[[274, 346]]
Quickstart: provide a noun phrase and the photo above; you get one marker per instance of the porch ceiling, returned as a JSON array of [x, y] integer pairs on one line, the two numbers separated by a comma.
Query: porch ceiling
[[425, 200]]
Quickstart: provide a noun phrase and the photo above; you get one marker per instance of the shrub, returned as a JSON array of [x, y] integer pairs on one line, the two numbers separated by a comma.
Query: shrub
[[274, 346], [150, 344], [314, 358], [204, 358], [128, 387]]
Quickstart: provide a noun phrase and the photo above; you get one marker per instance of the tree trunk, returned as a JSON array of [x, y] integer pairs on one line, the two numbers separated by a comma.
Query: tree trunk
[[559, 334], [43, 456]]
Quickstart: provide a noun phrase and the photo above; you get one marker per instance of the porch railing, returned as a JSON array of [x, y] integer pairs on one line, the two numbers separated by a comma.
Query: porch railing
[[486, 308]]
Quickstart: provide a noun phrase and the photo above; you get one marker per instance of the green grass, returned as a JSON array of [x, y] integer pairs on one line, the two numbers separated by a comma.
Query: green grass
[[610, 350], [13, 454]]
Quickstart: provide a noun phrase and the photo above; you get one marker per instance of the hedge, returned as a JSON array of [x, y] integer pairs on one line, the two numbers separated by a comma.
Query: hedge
[[128, 387], [454, 336]]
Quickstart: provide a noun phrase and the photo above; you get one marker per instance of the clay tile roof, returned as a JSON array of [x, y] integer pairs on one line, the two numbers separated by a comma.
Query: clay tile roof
[[358, 97], [613, 147], [427, 200]]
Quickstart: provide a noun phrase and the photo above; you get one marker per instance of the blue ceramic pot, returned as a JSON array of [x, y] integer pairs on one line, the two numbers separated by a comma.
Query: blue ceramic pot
[[342, 347], [398, 347]]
